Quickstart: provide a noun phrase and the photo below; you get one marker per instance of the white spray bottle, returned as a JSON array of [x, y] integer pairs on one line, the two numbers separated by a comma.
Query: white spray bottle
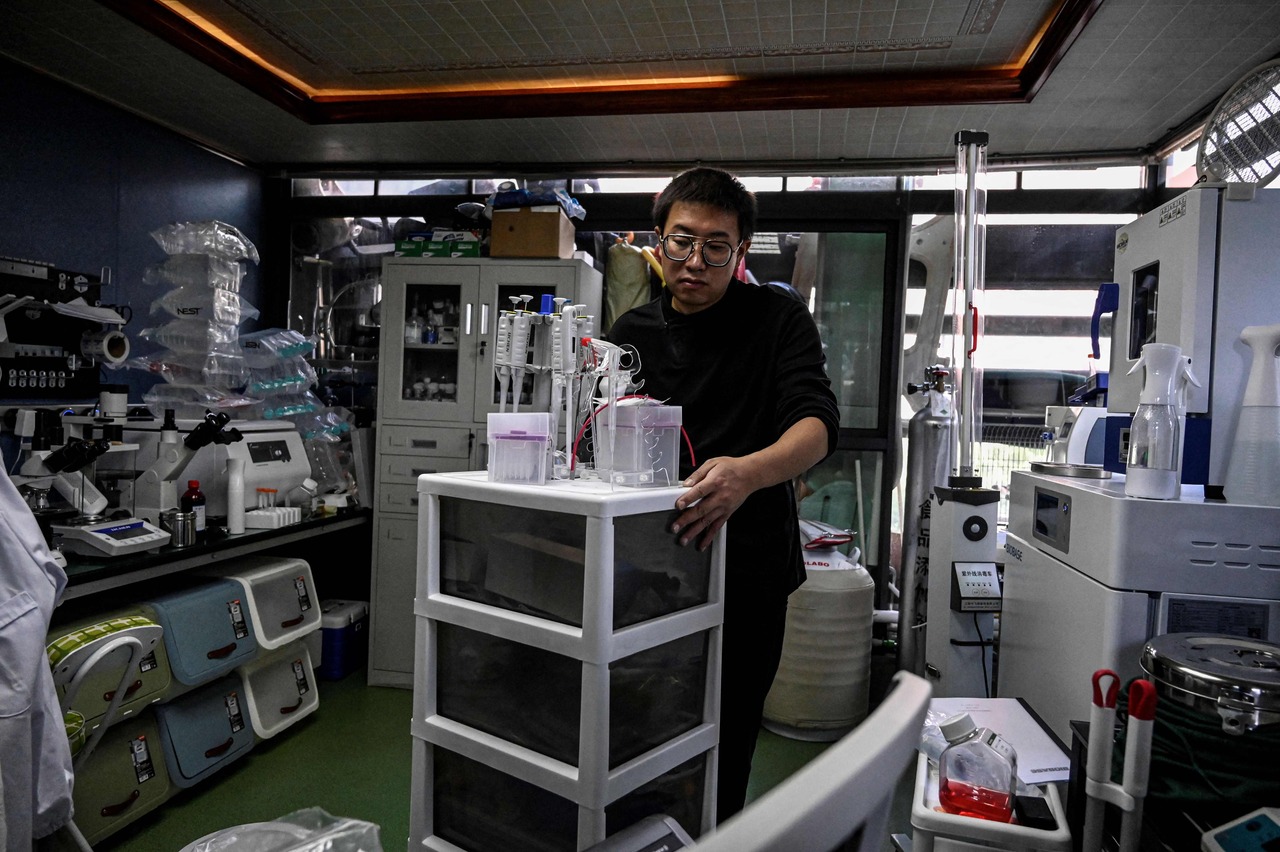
[[1253, 471], [1155, 436]]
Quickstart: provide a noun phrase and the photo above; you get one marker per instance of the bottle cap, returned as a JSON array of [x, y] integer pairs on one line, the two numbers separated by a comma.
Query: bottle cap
[[193, 483], [957, 727]]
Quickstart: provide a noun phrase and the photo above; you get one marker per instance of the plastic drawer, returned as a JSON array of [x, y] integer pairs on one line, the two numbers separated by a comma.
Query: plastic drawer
[[280, 689], [281, 594], [125, 777], [532, 561], [205, 730], [532, 697], [530, 817], [72, 644], [208, 630]]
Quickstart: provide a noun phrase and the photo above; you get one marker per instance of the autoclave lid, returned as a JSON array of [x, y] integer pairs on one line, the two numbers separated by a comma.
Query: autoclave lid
[[1232, 677]]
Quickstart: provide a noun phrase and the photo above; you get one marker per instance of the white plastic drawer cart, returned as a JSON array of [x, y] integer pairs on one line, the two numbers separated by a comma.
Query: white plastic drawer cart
[[567, 665]]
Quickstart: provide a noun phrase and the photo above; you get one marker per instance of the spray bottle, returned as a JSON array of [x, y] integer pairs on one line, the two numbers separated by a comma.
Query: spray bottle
[[1155, 437], [1253, 471]]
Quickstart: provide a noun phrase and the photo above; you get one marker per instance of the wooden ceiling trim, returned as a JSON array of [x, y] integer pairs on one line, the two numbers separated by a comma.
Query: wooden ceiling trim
[[741, 95], [1067, 24], [168, 25], [807, 92]]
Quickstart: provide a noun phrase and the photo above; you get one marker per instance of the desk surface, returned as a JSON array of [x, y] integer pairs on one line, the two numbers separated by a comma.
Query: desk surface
[[87, 575]]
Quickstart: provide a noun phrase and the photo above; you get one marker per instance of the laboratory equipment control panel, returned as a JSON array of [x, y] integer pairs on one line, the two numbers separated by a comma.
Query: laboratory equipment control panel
[[975, 587]]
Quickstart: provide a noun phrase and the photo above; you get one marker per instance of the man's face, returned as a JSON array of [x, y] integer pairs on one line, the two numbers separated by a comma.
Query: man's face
[[693, 283]]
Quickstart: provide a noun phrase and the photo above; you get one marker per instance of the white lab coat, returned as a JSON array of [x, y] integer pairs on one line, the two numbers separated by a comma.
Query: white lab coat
[[35, 759]]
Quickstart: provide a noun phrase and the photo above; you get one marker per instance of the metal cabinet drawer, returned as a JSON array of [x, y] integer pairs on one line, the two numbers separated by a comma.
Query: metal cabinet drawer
[[437, 441], [398, 491], [405, 470]]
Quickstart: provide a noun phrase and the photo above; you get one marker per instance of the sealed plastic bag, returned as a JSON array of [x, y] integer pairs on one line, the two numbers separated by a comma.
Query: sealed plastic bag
[[187, 335], [211, 304], [211, 237], [196, 270], [307, 830]]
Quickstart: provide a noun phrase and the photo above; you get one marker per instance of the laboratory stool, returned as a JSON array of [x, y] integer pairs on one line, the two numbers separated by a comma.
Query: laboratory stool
[[932, 828]]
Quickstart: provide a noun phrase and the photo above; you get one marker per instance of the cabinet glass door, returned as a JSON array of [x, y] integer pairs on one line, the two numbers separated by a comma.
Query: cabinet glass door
[[427, 341], [502, 289]]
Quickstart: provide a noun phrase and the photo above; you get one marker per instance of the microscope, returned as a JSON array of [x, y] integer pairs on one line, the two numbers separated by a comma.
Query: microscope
[[155, 490]]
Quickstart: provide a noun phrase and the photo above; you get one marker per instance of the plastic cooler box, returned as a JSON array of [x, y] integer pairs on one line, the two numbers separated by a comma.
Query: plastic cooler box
[[281, 594], [205, 730], [279, 689], [125, 777], [72, 646], [341, 645], [208, 630]]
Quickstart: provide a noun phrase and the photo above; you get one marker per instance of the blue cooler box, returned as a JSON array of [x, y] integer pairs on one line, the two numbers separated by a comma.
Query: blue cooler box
[[343, 639], [208, 631]]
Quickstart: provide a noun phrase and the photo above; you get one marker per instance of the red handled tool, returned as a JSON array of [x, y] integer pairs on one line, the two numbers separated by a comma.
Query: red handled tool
[[1099, 788]]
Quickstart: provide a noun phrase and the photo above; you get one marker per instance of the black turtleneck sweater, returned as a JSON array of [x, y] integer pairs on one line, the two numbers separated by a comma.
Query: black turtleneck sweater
[[744, 371]]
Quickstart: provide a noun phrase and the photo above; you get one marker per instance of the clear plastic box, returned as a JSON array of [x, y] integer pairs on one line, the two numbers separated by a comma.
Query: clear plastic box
[[638, 445], [518, 447], [534, 561], [533, 697], [533, 818]]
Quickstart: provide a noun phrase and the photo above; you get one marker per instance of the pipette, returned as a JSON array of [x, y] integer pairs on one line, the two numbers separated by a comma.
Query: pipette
[[519, 349], [502, 358]]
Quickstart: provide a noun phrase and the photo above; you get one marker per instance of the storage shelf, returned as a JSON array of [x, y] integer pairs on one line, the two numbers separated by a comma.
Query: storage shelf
[[533, 672]]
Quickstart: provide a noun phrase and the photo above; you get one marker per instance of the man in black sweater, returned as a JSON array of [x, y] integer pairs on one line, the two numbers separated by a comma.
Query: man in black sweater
[[746, 365]]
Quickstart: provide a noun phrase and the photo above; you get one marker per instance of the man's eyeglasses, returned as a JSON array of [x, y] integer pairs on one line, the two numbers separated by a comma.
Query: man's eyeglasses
[[679, 248]]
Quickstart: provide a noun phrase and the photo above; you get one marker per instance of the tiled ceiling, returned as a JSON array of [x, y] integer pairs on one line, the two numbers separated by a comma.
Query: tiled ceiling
[[630, 84]]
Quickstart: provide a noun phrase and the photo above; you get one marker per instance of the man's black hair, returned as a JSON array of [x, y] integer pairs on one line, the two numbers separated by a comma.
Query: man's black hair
[[712, 187]]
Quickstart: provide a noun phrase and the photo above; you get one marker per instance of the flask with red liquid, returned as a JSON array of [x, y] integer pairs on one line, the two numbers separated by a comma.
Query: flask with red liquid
[[977, 771], [193, 500]]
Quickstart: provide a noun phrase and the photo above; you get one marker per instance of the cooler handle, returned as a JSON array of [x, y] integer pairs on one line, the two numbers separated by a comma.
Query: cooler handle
[[220, 750], [128, 693], [221, 653], [120, 807]]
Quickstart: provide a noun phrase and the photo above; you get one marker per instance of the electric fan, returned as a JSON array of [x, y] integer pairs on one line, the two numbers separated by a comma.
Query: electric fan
[[1241, 139]]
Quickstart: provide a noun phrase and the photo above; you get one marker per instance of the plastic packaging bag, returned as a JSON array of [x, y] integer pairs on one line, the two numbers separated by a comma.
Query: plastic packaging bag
[[272, 345], [291, 375], [211, 237], [185, 335], [307, 830], [192, 401], [196, 270], [210, 304], [218, 369]]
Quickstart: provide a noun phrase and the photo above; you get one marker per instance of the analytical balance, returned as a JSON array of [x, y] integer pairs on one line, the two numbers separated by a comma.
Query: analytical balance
[[1091, 574], [119, 537]]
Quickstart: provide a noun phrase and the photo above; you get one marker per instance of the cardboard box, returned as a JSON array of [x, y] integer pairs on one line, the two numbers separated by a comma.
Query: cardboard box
[[531, 232]]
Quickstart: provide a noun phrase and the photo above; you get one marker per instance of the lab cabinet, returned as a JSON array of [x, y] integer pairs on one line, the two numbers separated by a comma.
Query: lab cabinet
[[395, 547], [567, 659], [439, 317], [436, 388]]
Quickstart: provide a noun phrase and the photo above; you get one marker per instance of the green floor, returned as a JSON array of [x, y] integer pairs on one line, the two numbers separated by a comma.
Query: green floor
[[350, 757]]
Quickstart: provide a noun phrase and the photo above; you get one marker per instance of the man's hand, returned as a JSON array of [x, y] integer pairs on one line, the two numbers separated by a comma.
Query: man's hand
[[721, 485], [716, 490]]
